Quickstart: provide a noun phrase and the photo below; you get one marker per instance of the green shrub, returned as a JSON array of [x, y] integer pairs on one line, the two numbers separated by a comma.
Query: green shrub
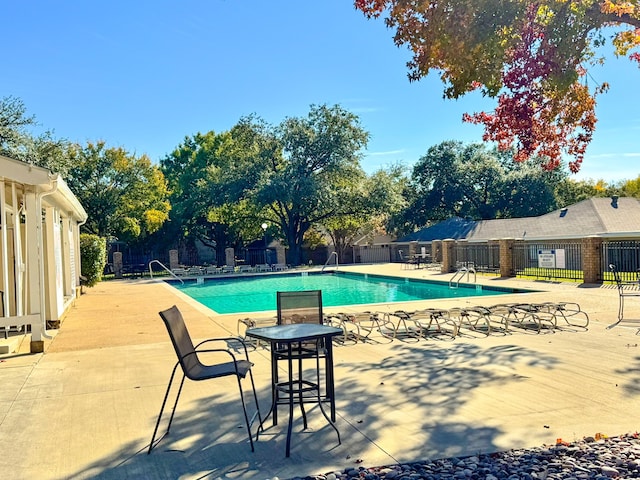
[[93, 252]]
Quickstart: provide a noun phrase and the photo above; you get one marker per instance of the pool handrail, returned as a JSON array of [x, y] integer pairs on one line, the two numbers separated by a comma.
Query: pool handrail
[[457, 276], [167, 269], [334, 253]]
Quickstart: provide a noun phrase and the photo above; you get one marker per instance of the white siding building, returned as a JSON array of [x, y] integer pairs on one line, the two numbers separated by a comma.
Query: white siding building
[[40, 220]]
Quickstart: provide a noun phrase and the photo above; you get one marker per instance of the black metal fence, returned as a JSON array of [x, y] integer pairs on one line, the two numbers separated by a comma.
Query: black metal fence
[[484, 257], [376, 254], [562, 260], [256, 256], [538, 259], [134, 261], [625, 255]]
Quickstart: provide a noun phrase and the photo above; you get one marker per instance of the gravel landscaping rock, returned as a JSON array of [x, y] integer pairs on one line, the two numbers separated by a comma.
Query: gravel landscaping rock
[[590, 458]]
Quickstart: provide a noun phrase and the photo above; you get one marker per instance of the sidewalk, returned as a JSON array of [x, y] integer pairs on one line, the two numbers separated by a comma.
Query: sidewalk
[[87, 406]]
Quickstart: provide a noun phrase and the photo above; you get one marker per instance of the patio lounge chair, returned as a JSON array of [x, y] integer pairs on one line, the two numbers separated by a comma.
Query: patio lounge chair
[[212, 270], [435, 322], [249, 322], [570, 312], [194, 369], [179, 271], [526, 315], [471, 319], [361, 325], [625, 289], [194, 271], [497, 315], [336, 320], [404, 324]]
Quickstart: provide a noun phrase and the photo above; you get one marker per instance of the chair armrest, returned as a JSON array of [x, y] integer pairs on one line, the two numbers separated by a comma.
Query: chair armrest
[[211, 350], [227, 340]]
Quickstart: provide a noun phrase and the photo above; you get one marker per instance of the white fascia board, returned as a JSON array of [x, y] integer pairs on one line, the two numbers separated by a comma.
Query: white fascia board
[[44, 181], [20, 172], [66, 201], [625, 235], [553, 238]]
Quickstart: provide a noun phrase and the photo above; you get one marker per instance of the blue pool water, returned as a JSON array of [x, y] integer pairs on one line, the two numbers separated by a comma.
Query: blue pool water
[[258, 293]]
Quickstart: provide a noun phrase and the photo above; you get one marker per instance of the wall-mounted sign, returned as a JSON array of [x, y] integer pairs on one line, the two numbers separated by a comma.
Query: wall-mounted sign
[[553, 258]]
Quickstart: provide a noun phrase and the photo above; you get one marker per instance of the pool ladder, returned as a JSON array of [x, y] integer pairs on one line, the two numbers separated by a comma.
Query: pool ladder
[[460, 273], [167, 269], [333, 254]]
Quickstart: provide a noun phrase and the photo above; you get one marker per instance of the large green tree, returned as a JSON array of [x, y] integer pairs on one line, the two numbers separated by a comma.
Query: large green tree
[[125, 196], [187, 170], [14, 124], [471, 181], [17, 140], [531, 55], [309, 180], [631, 188], [293, 177], [208, 175], [374, 200], [454, 180], [526, 190], [569, 191]]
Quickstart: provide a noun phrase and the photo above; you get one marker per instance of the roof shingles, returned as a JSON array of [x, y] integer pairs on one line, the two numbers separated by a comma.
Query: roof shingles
[[605, 217]]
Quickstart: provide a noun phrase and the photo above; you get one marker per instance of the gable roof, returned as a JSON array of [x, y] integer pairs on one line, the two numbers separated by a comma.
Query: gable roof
[[56, 190], [456, 228], [605, 217]]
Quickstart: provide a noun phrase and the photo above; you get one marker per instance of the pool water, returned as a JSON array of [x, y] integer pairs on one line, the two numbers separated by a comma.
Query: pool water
[[258, 293]]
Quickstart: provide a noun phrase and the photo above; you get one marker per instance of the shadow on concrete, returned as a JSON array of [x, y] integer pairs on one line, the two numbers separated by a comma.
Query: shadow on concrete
[[437, 382], [632, 371], [423, 382]]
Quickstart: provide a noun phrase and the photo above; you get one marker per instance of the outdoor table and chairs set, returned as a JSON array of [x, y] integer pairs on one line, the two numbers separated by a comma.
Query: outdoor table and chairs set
[[300, 335]]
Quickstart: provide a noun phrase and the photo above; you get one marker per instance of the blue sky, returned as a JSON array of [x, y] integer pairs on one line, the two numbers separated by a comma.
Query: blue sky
[[144, 74]]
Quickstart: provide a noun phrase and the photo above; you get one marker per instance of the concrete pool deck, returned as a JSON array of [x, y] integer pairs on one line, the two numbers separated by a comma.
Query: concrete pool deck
[[87, 406]]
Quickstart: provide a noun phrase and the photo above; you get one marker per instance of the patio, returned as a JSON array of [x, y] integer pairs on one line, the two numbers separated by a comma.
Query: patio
[[86, 407]]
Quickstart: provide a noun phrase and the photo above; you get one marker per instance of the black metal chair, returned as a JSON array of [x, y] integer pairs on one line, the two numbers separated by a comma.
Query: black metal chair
[[302, 306], [194, 369], [624, 290]]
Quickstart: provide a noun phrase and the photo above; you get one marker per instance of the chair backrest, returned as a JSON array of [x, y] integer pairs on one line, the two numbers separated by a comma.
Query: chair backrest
[[618, 278], [299, 307], [616, 275], [180, 339], [303, 306]]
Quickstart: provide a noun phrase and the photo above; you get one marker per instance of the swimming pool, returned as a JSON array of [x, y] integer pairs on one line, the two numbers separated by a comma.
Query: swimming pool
[[258, 293]]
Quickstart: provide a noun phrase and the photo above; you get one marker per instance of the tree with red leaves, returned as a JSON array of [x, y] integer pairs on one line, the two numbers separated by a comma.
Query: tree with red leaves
[[532, 56]]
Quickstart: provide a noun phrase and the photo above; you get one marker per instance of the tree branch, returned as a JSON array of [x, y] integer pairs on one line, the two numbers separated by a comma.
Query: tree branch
[[595, 12]]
